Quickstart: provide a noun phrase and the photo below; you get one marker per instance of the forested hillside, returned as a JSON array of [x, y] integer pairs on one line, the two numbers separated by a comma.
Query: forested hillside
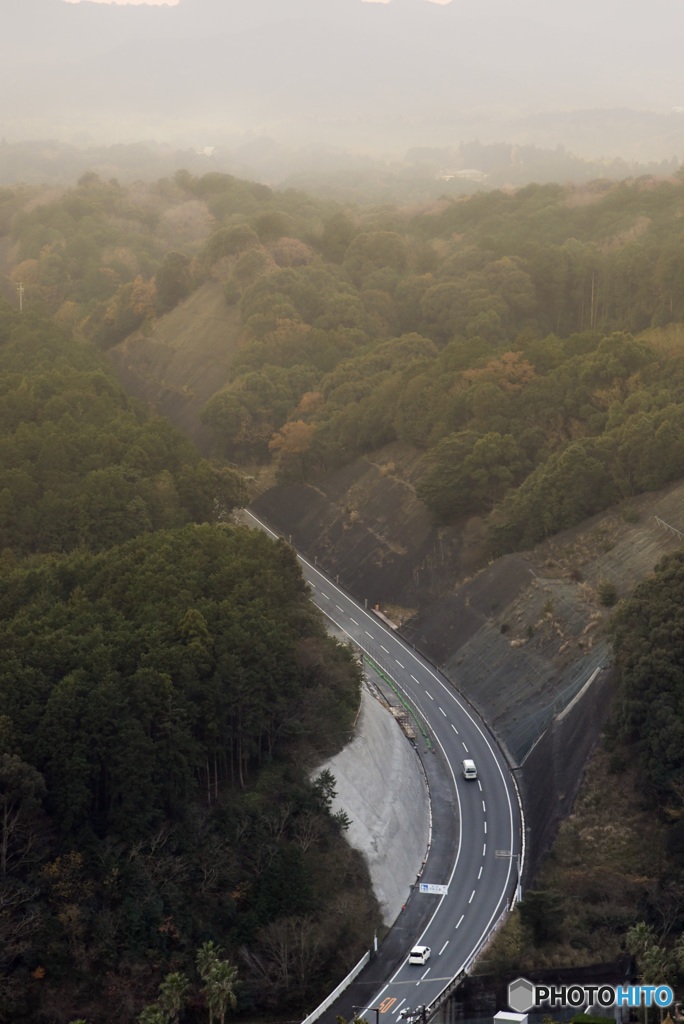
[[650, 715], [525, 342], [79, 464], [165, 687], [503, 335]]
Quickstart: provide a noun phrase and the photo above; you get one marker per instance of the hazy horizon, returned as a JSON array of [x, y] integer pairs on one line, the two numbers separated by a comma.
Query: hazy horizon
[[370, 76]]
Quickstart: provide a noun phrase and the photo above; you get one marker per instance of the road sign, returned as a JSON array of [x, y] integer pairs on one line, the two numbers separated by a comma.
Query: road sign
[[433, 890]]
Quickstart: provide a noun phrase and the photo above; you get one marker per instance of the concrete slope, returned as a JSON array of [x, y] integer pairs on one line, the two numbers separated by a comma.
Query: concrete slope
[[381, 786]]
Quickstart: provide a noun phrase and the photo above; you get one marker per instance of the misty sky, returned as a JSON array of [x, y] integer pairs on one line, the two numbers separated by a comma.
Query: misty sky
[[379, 75]]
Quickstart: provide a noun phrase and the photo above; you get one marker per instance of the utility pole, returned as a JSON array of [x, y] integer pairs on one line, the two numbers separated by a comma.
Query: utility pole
[[20, 289]]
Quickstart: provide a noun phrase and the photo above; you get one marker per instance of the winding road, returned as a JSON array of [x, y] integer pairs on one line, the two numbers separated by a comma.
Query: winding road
[[484, 872]]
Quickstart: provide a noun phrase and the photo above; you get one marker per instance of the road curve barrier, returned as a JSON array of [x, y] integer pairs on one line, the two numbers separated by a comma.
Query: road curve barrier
[[329, 1000]]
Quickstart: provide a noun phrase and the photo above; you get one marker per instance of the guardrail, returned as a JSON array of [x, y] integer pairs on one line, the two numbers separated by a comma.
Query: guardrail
[[436, 1005], [406, 704], [345, 983]]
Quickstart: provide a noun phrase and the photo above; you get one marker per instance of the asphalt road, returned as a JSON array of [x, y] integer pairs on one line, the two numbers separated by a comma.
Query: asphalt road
[[481, 874]]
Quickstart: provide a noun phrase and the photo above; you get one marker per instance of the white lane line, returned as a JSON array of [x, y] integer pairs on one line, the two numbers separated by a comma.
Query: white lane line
[[443, 948], [460, 919], [326, 596], [484, 850], [398, 663], [443, 712], [454, 728], [464, 746], [430, 695], [369, 634], [423, 975], [414, 679], [483, 807], [479, 784], [479, 874], [339, 609], [384, 649], [353, 620], [398, 1006], [471, 896], [485, 824], [378, 998]]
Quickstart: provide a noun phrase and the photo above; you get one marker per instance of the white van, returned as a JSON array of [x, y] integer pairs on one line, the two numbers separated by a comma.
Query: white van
[[469, 769], [419, 955]]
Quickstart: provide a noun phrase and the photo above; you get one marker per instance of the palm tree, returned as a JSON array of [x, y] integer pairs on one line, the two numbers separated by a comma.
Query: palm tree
[[153, 1014], [173, 994], [207, 956], [220, 987]]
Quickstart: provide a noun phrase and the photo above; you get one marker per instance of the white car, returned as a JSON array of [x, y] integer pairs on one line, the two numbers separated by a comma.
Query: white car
[[419, 955], [469, 769]]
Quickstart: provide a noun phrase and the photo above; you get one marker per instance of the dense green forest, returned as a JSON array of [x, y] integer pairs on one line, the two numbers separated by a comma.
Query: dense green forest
[[526, 342], [80, 465], [647, 730], [649, 721], [166, 687]]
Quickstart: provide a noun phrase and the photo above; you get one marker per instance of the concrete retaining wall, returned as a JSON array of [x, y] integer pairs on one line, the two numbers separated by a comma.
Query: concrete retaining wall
[[381, 786]]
